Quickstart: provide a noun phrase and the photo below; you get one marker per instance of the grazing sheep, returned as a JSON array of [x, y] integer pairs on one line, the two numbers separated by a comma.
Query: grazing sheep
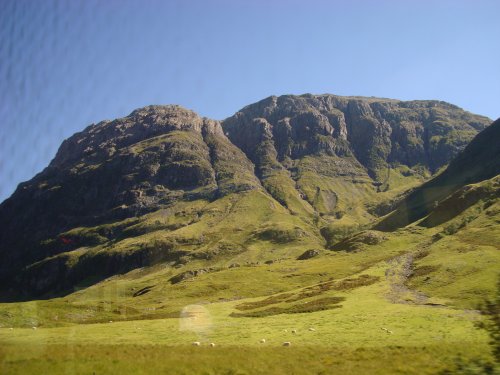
[[33, 327], [294, 331], [312, 329], [111, 321], [287, 343], [212, 344], [11, 328], [196, 343], [262, 341]]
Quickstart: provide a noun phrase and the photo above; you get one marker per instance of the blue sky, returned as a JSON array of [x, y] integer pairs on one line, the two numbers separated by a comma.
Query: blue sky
[[65, 64]]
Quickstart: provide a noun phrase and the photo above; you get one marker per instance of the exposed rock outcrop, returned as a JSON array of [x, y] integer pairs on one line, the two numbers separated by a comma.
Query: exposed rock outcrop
[[308, 254], [376, 131]]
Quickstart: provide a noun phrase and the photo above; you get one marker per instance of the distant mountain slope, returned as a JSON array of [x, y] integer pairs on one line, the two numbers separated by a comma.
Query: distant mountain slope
[[341, 160], [479, 161], [164, 185], [115, 170]]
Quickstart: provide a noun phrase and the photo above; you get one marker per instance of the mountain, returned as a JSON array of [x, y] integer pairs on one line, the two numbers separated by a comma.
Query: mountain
[[479, 161], [116, 170], [343, 161], [374, 130], [349, 230], [165, 186]]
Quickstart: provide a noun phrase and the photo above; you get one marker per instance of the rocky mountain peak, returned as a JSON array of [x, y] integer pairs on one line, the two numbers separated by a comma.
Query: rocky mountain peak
[[102, 140], [377, 131]]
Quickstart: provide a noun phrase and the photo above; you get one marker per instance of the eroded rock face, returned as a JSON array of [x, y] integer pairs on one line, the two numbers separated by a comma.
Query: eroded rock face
[[377, 131], [99, 141], [308, 254], [357, 242]]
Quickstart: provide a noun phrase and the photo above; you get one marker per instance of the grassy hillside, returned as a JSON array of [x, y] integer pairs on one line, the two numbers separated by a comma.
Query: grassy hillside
[[411, 296]]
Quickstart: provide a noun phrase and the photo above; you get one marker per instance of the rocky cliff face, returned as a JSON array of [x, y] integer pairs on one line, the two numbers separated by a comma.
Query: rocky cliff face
[[376, 131], [321, 161]]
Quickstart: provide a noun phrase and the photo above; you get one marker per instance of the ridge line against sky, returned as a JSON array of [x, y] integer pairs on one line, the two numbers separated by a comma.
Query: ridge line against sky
[[66, 64]]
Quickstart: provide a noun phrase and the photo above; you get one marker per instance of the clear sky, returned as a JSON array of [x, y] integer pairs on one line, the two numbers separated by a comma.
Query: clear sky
[[65, 64]]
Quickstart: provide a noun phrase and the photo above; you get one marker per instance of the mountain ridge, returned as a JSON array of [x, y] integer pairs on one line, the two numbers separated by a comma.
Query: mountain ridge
[[317, 161]]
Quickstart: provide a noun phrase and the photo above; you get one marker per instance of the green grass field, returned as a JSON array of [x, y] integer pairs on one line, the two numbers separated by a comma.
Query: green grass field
[[406, 303]]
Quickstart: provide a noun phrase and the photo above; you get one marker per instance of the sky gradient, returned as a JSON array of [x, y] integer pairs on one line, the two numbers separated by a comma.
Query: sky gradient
[[66, 64]]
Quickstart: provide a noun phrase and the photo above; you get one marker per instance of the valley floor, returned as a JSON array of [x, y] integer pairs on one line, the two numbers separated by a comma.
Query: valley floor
[[380, 328], [406, 304]]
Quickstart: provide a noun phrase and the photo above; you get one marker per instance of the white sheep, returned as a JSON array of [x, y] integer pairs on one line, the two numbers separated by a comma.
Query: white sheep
[[196, 343], [287, 343], [294, 331], [212, 344], [312, 329], [262, 341]]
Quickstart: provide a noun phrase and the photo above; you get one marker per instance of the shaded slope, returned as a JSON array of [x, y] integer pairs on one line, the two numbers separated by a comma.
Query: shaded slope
[[479, 161], [120, 169]]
